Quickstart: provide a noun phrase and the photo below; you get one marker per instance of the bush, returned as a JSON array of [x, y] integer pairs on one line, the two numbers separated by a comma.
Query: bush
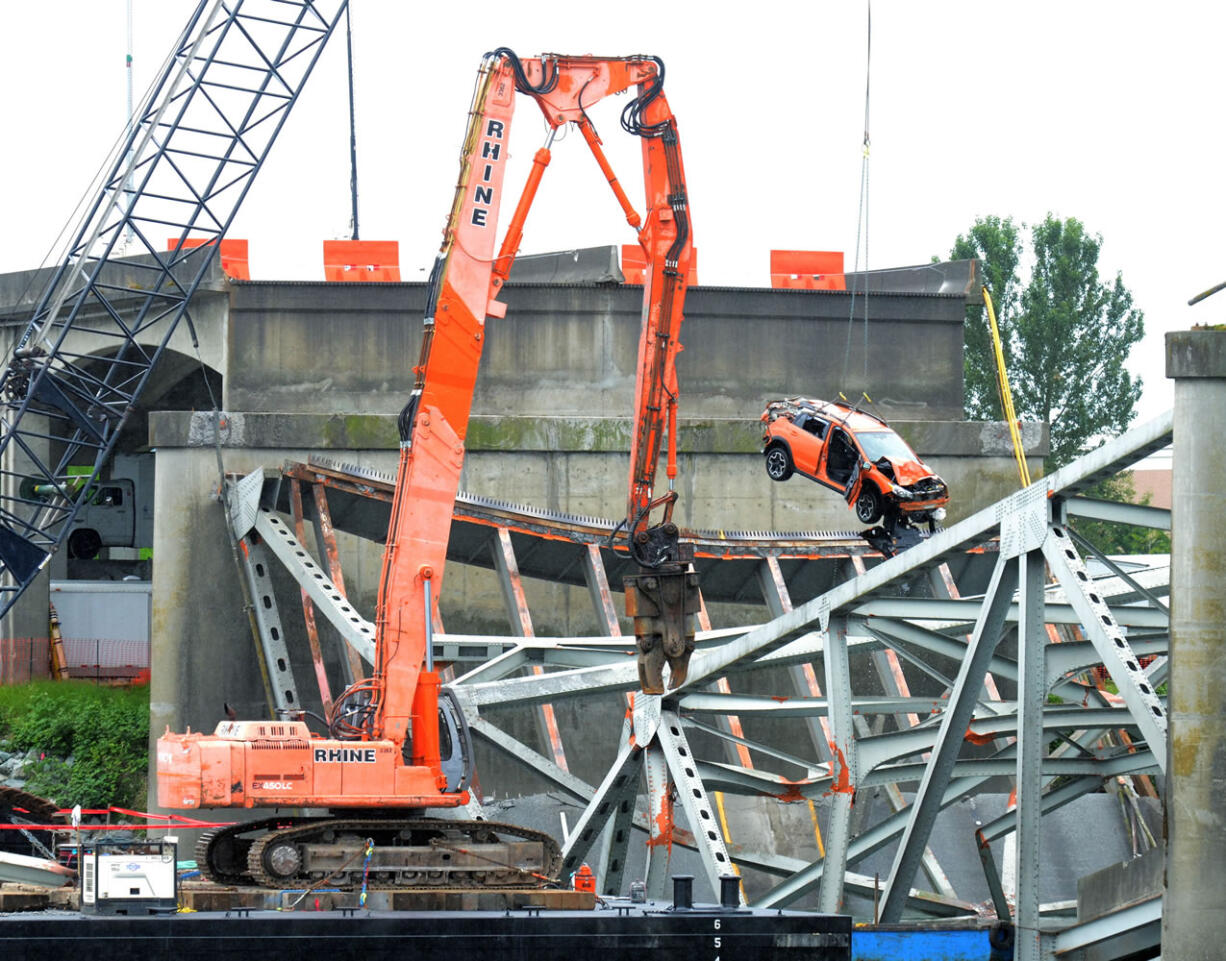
[[94, 740]]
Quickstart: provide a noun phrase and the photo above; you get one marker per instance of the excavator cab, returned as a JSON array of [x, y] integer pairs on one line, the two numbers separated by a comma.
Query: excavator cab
[[453, 742]]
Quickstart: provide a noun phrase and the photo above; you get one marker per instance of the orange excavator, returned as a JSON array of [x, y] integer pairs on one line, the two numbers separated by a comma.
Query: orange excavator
[[397, 743]]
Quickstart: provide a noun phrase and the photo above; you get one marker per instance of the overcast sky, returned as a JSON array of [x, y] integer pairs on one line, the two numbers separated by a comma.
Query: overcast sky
[[1104, 111]]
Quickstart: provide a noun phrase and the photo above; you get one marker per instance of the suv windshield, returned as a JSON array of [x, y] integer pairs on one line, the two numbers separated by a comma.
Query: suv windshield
[[884, 443]]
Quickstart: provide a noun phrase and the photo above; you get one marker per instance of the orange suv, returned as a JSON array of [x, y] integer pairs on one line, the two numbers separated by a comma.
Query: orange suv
[[855, 453]]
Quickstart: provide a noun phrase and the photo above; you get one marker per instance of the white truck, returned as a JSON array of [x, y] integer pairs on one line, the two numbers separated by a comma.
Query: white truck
[[117, 512], [106, 518]]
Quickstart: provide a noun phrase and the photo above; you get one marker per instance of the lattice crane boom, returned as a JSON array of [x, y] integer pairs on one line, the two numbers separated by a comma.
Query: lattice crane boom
[[199, 138]]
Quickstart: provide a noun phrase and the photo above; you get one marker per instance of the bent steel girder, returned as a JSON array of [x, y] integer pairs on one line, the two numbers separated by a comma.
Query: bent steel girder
[[948, 743], [844, 761], [693, 797], [616, 793], [948, 647], [99, 326], [1102, 626]]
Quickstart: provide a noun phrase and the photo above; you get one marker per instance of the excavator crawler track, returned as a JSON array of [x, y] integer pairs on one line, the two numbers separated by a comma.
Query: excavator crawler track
[[221, 854], [407, 854]]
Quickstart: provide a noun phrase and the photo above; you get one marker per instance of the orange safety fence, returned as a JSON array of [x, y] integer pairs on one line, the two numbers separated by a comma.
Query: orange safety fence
[[362, 261], [234, 261], [153, 822], [808, 269], [101, 660], [24, 659]]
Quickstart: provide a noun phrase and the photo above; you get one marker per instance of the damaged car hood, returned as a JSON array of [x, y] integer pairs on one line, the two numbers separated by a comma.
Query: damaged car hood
[[908, 472]]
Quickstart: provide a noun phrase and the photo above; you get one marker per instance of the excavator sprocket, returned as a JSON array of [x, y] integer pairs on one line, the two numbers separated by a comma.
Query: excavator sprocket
[[407, 854]]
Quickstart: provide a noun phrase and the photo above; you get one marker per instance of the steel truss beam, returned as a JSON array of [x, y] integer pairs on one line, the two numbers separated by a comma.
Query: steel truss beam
[[876, 618], [254, 557], [246, 515], [1132, 931]]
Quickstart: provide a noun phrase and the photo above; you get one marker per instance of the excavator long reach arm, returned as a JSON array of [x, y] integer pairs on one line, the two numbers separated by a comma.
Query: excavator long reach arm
[[662, 597], [394, 745]]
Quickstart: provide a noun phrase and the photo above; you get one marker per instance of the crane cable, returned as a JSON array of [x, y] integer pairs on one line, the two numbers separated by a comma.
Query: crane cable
[[862, 217], [355, 229], [1006, 396]]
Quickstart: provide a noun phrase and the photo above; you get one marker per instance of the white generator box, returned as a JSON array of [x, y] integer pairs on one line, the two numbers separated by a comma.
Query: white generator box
[[130, 877]]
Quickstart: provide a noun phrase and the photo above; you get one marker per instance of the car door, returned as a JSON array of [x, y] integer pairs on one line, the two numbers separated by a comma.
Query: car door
[[852, 490], [818, 434], [806, 443], [854, 461], [840, 459]]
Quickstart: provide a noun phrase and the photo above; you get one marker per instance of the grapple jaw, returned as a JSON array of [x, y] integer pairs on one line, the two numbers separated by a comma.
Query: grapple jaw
[[663, 603]]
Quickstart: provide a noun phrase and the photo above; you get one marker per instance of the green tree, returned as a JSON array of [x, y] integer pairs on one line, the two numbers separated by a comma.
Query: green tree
[[997, 245], [1066, 334]]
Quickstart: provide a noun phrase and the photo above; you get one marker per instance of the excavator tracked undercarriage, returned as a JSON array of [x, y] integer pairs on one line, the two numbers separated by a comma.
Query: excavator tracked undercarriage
[[404, 853]]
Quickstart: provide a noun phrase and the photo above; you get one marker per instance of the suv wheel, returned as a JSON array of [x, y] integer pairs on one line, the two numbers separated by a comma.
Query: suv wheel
[[868, 505], [778, 462]]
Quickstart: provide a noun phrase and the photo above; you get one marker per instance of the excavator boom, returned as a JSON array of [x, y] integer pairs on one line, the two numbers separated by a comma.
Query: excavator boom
[[387, 733]]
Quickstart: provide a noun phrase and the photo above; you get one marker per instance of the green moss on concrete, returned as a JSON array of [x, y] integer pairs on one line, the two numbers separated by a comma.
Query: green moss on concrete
[[522, 434], [548, 433], [501, 433], [361, 432], [603, 435], [724, 436]]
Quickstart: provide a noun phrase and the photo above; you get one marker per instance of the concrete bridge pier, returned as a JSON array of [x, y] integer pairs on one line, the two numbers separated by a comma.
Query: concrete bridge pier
[[1195, 899]]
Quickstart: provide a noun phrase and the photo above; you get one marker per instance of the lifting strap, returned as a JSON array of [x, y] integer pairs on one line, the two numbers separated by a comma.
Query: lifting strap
[[1006, 396]]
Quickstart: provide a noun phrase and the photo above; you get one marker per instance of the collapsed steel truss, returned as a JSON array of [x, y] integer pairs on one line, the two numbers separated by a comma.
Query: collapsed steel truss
[[1040, 598], [191, 154]]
